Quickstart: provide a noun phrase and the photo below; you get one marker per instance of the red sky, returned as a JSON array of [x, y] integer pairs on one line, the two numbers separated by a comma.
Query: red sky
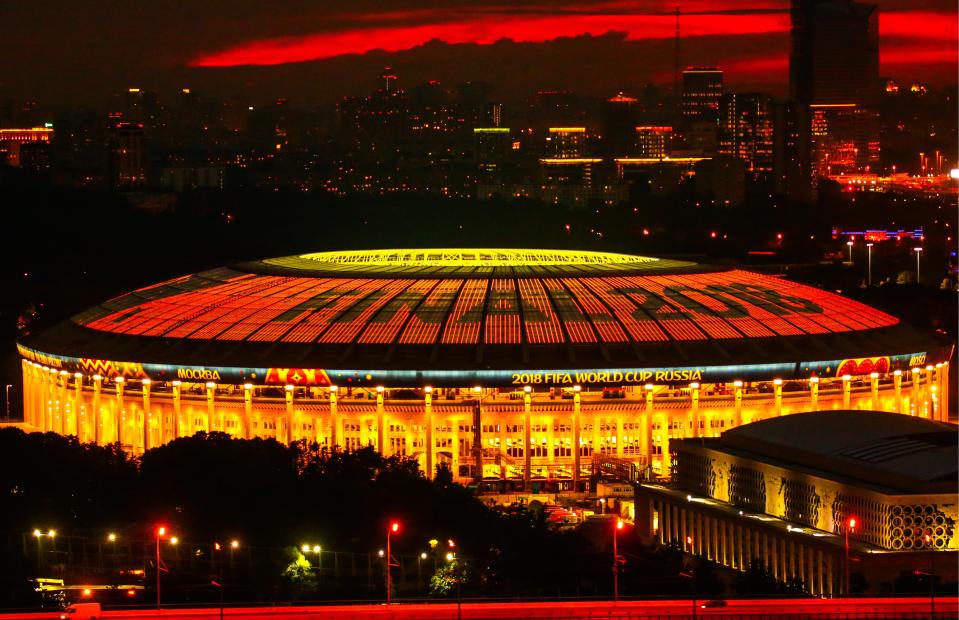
[[320, 50], [911, 36]]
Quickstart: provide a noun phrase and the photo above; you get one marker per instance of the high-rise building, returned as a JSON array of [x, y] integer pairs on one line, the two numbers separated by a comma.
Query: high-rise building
[[844, 138], [653, 141], [834, 74], [835, 52], [128, 155], [566, 142], [493, 151], [619, 116], [746, 130], [14, 143], [791, 151], [702, 89]]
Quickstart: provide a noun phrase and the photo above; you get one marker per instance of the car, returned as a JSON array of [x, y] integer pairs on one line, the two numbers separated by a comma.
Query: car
[[81, 611], [713, 604]]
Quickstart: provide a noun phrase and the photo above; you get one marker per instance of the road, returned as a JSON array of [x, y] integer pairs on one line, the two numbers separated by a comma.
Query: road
[[793, 608]]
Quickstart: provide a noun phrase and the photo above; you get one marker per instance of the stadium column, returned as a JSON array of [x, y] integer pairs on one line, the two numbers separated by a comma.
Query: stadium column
[[597, 439], [408, 436], [694, 409], [48, 398], [778, 397], [147, 415], [501, 421], [551, 438], [78, 408], [248, 410], [210, 405], [846, 391], [874, 391], [477, 441], [738, 403], [177, 418], [527, 437], [336, 435], [97, 388], [62, 406], [290, 428], [577, 456], [119, 412], [916, 408], [455, 445], [382, 434], [619, 434], [944, 391], [942, 414], [664, 432], [897, 389], [814, 393], [62, 409], [648, 426], [430, 444]]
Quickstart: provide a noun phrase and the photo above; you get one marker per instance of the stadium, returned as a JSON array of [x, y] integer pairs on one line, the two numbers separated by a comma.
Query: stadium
[[526, 369]]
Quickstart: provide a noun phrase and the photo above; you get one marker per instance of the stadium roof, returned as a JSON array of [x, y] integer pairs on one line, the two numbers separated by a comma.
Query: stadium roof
[[886, 450], [479, 309]]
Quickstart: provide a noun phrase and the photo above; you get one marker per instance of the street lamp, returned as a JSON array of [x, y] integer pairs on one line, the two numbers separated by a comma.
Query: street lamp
[[160, 533], [918, 252], [849, 245], [869, 262], [617, 559], [392, 529], [850, 527]]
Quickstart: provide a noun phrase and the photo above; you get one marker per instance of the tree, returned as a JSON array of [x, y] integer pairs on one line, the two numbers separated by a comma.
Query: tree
[[300, 575], [756, 581]]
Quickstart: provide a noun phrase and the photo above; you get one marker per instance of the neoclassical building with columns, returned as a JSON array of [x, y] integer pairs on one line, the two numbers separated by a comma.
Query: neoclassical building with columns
[[795, 492], [521, 368]]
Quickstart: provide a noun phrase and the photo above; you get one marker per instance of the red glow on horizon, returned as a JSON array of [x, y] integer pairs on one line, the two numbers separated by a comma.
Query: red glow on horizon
[[911, 39], [486, 30]]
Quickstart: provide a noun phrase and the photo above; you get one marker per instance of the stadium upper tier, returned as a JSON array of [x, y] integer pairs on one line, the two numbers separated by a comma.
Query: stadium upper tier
[[478, 309]]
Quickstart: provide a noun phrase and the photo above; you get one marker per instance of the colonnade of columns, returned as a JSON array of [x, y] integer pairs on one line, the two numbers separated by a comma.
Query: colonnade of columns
[[735, 543], [551, 438]]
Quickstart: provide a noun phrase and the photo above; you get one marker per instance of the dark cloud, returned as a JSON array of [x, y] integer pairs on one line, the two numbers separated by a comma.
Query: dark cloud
[[80, 50]]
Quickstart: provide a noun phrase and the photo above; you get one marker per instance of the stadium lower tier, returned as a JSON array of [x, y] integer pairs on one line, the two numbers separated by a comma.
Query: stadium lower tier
[[522, 438]]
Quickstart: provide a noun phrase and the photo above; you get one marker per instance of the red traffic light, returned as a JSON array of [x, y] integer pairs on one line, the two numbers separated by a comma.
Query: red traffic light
[[394, 527], [619, 524], [852, 523], [161, 531]]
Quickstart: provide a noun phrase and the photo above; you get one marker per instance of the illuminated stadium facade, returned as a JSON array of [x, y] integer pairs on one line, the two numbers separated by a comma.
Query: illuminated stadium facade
[[530, 367]]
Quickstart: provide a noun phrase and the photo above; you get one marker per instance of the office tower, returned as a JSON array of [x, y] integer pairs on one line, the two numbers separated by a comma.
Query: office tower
[[619, 116], [566, 142], [15, 143], [834, 89], [493, 148], [702, 89], [128, 155], [835, 52], [653, 141], [746, 130], [791, 151]]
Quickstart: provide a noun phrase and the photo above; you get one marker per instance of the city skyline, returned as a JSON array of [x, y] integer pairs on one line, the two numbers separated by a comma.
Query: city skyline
[[299, 51]]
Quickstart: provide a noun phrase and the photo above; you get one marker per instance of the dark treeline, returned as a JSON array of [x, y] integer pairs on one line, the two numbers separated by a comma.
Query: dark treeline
[[274, 498]]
